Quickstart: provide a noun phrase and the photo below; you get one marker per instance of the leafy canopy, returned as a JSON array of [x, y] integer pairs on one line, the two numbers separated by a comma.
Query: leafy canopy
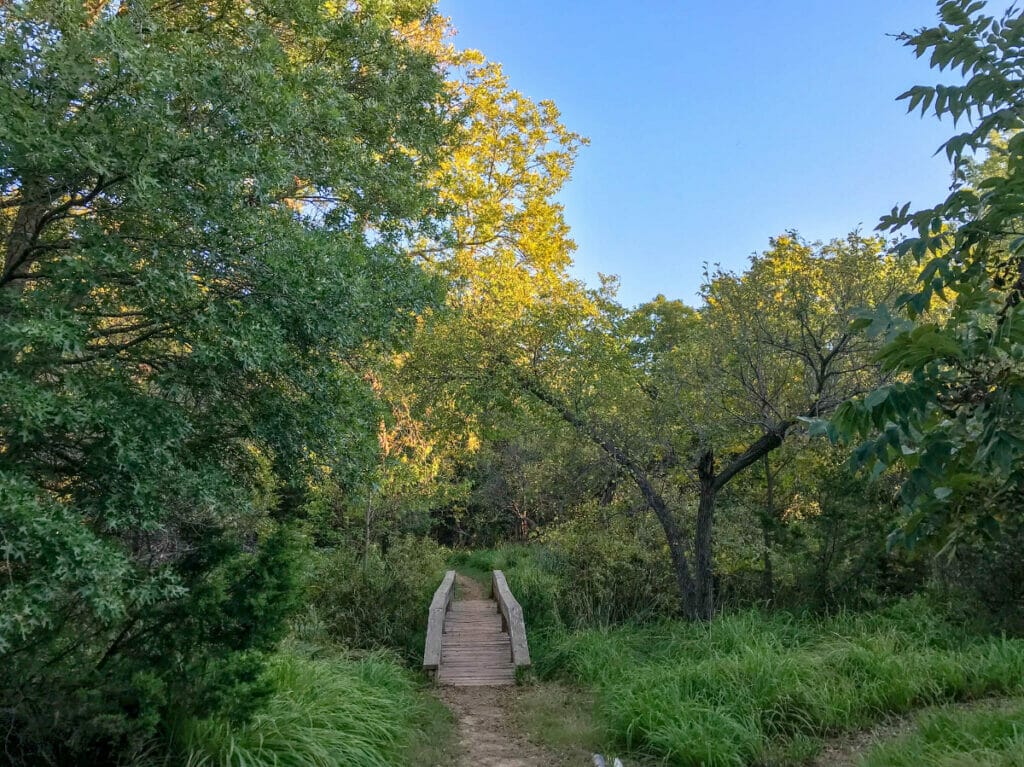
[[954, 416], [203, 210]]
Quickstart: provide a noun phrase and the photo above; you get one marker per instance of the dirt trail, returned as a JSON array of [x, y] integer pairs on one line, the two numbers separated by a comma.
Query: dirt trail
[[470, 588], [488, 736]]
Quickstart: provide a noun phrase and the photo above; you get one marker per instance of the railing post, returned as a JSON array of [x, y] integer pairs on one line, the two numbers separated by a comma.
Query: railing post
[[435, 623], [511, 618]]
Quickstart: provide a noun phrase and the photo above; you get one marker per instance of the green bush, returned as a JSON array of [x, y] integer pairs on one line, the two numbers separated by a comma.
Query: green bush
[[378, 599], [985, 579], [749, 685], [323, 712], [584, 573], [611, 570]]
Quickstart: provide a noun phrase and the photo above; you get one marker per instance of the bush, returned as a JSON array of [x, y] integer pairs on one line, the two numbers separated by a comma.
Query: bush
[[612, 570], [322, 712], [378, 600], [200, 655], [986, 579], [585, 573]]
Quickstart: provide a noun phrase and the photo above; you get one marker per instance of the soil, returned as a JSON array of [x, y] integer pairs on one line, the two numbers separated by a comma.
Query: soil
[[488, 736]]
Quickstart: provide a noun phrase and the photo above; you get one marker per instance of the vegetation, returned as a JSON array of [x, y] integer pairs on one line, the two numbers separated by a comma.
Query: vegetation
[[984, 736], [764, 689], [323, 711], [290, 327]]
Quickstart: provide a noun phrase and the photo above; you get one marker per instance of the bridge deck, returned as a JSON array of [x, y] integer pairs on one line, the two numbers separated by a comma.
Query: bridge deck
[[475, 651]]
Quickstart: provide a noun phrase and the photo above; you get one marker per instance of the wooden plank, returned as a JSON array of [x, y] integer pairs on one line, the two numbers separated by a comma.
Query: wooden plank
[[513, 618], [435, 622]]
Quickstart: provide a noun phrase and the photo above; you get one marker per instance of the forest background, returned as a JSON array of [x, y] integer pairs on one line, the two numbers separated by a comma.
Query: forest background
[[289, 324]]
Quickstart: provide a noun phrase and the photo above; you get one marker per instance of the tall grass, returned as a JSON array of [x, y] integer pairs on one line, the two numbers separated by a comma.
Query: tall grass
[[752, 688], [980, 738], [324, 712]]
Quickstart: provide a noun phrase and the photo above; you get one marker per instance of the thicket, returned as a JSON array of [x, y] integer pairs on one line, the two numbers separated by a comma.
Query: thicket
[[375, 598], [202, 239]]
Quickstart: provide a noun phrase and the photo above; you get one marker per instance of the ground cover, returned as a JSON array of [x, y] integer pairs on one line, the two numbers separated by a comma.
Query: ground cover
[[758, 688]]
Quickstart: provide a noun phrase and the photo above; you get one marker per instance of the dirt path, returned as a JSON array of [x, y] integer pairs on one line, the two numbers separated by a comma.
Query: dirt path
[[470, 588], [488, 736]]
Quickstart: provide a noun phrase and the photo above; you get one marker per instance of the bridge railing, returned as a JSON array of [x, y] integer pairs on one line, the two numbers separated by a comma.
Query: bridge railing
[[435, 622], [511, 618]]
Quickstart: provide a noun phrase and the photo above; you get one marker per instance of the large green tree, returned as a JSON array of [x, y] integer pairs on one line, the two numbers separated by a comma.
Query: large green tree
[[203, 210], [684, 401]]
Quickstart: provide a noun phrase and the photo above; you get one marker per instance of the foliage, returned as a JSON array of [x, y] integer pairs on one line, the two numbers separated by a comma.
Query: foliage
[[832, 536], [953, 416], [323, 711], [984, 580], [985, 736], [378, 598], [584, 573], [610, 568], [682, 402], [759, 688], [203, 210]]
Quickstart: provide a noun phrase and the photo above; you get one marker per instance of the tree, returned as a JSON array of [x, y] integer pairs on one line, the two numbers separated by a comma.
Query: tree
[[953, 414], [777, 349], [203, 214], [665, 391], [504, 255]]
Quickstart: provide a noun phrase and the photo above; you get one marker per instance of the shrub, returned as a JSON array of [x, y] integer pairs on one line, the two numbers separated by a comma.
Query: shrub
[[585, 573], [378, 599]]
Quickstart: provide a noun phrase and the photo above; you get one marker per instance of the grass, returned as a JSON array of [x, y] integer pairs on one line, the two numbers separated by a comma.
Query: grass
[[325, 711], [982, 737], [434, 743], [754, 688], [562, 719]]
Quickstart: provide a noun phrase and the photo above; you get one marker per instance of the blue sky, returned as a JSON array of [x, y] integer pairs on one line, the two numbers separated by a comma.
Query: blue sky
[[715, 126]]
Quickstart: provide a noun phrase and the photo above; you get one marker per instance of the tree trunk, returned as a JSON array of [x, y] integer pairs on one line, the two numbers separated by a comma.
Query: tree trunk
[[689, 596], [23, 235], [768, 576], [703, 541]]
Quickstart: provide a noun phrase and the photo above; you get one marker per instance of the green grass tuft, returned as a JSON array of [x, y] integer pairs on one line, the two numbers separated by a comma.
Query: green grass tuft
[[324, 712], [751, 686], [983, 737]]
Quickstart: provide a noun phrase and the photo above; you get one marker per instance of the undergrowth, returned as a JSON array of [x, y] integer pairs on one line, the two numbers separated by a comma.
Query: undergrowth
[[324, 711], [950, 738], [757, 688]]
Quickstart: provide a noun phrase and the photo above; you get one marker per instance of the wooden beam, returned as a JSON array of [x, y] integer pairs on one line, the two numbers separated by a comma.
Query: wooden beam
[[512, 615], [435, 623]]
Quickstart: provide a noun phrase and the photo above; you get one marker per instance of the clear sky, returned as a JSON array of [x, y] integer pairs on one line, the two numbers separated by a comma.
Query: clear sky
[[716, 125]]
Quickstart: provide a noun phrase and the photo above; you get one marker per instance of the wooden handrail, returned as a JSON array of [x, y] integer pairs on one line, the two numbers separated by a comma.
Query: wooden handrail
[[511, 617], [435, 622]]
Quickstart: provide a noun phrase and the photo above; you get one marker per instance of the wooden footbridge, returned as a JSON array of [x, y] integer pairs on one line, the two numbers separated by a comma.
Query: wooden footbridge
[[475, 642]]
